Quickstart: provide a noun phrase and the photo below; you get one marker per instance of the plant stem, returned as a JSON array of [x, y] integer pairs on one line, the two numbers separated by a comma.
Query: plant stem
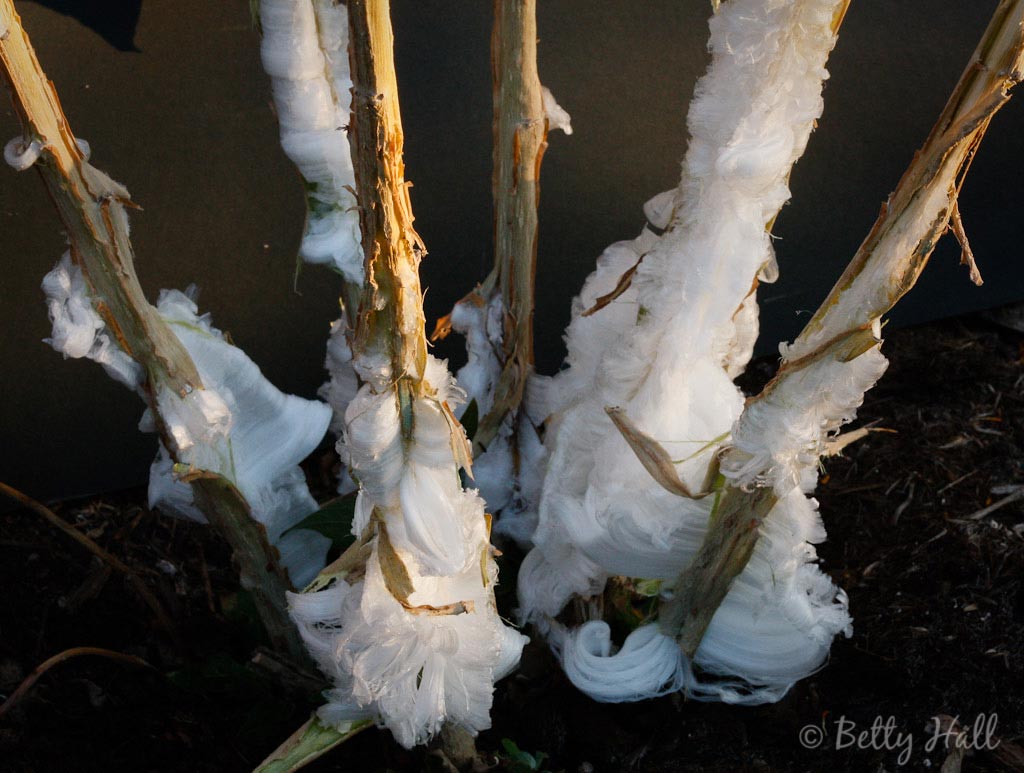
[[92, 209], [881, 273], [390, 319], [520, 138], [884, 269]]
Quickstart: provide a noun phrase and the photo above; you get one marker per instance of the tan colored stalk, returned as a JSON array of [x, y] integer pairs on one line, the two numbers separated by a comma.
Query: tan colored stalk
[[390, 318], [520, 138], [92, 209], [884, 269]]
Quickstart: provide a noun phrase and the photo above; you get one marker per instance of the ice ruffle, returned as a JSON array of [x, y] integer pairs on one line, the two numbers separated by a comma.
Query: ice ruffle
[[413, 671], [305, 52], [479, 320], [243, 428], [781, 435], [414, 480], [343, 383], [238, 425], [78, 331], [432, 657], [665, 351]]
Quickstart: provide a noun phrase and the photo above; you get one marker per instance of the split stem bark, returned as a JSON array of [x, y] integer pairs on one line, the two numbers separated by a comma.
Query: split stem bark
[[883, 270], [390, 319], [520, 138], [92, 208]]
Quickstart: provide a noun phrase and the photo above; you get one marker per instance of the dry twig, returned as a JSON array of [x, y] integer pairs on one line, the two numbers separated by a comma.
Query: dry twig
[[61, 657], [108, 558]]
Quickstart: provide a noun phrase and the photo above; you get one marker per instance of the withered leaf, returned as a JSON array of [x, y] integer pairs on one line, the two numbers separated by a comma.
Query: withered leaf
[[461, 449], [620, 287], [396, 576], [652, 455]]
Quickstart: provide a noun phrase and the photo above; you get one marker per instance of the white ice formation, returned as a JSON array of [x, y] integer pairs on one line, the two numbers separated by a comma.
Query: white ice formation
[[557, 116], [427, 649], [507, 477], [665, 351], [305, 52], [238, 425]]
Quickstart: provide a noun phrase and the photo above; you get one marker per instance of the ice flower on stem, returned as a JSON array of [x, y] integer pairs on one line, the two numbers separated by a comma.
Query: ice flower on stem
[[305, 51], [405, 622], [412, 637], [238, 426], [658, 334]]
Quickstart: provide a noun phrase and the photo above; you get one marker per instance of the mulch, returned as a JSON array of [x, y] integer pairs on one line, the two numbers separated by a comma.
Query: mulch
[[935, 575]]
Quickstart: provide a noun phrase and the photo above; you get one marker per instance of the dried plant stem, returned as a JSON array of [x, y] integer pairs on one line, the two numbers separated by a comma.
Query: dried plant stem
[[884, 269], [92, 209], [108, 558], [880, 273], [520, 138], [61, 657], [390, 318]]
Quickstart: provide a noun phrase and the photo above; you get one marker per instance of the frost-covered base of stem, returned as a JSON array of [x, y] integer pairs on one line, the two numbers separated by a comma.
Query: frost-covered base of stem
[[663, 345], [509, 471], [408, 630], [100, 310], [237, 426], [417, 640]]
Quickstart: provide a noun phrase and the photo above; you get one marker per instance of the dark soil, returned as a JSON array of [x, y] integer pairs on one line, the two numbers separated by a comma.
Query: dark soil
[[937, 593]]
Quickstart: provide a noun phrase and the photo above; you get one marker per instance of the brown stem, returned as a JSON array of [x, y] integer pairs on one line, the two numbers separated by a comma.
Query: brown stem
[[61, 657], [92, 208], [390, 319], [730, 540], [520, 138], [877, 277], [882, 276]]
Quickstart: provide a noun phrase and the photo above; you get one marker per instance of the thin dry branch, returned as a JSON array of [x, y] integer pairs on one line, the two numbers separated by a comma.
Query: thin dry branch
[[108, 558], [62, 657]]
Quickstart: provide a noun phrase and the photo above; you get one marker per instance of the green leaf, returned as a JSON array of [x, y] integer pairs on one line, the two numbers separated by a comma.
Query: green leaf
[[306, 744], [520, 761], [333, 520]]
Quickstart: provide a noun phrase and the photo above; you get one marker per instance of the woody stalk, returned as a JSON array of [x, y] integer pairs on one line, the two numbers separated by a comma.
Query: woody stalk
[[405, 623], [230, 441]]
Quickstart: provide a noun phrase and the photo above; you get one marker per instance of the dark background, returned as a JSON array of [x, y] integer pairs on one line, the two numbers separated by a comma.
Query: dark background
[[171, 96]]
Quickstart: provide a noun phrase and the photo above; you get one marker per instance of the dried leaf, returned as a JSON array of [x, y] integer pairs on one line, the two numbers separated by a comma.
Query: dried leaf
[[652, 455], [856, 344], [455, 608], [396, 576], [486, 552], [620, 287], [442, 328], [835, 445], [351, 562], [461, 449], [966, 254]]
